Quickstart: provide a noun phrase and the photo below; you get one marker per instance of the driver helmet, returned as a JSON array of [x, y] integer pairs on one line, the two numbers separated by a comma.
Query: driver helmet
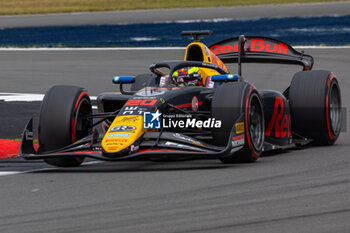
[[189, 76]]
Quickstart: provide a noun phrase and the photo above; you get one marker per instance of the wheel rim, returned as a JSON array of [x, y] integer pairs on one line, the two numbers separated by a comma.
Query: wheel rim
[[335, 109], [256, 123], [82, 124]]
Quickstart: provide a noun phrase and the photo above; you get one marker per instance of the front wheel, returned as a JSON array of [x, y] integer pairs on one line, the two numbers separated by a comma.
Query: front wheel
[[62, 121], [229, 102]]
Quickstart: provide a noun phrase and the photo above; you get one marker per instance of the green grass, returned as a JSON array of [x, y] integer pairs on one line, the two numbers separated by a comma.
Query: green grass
[[12, 7]]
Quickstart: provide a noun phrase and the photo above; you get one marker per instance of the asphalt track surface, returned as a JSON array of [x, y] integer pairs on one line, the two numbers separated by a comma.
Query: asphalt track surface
[[300, 190], [148, 16]]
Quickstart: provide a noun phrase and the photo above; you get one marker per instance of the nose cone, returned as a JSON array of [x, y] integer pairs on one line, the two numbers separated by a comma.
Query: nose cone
[[122, 133]]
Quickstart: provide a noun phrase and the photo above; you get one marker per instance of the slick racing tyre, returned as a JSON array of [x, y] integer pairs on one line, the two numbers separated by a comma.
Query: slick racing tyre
[[315, 103], [229, 102], [62, 122], [143, 80]]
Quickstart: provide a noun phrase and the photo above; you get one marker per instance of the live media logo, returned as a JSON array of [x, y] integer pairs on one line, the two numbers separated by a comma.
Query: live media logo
[[153, 120]]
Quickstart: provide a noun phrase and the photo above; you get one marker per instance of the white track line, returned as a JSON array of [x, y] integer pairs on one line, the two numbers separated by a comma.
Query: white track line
[[91, 49], [9, 173], [146, 48], [26, 97], [9, 97], [23, 97]]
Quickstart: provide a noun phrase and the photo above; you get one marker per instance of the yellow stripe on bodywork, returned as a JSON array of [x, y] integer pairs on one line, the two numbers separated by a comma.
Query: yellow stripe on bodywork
[[115, 141]]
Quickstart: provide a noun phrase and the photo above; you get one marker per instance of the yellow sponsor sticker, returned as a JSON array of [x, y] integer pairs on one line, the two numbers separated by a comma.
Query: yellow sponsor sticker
[[122, 133], [239, 127]]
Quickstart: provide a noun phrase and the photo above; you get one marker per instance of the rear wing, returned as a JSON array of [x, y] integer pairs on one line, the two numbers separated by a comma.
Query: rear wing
[[256, 49]]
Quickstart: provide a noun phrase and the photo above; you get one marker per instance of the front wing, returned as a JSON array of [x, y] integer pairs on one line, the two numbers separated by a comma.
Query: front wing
[[158, 144]]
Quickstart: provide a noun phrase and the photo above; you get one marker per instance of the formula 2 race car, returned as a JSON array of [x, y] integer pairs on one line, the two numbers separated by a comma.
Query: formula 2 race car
[[220, 116]]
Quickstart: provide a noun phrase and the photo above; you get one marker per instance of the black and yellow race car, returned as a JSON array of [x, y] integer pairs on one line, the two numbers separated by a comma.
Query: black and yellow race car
[[216, 115]]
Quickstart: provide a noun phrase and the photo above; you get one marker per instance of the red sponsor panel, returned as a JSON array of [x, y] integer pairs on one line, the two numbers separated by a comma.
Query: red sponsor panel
[[252, 45], [238, 137], [280, 121], [257, 45], [262, 45], [222, 49], [141, 102]]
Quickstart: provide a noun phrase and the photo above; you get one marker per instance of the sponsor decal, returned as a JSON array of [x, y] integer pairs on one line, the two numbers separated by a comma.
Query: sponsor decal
[[183, 71], [151, 120], [280, 121], [127, 130], [216, 60], [114, 144], [131, 110], [141, 102], [112, 147], [28, 135], [123, 128], [254, 45], [238, 140], [163, 80], [185, 138], [116, 140], [210, 83], [118, 135], [239, 127], [144, 97], [150, 92], [195, 103], [261, 45], [208, 65], [132, 119]]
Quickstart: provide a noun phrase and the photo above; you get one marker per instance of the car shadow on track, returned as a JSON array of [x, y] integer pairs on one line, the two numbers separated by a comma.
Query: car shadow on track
[[274, 153], [163, 166], [144, 166], [282, 152]]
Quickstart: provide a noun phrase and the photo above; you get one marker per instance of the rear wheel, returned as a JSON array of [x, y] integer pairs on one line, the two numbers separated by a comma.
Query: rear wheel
[[229, 102], [62, 121], [315, 102]]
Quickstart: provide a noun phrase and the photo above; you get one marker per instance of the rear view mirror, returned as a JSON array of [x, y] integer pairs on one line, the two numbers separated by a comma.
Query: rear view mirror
[[123, 79], [224, 78]]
